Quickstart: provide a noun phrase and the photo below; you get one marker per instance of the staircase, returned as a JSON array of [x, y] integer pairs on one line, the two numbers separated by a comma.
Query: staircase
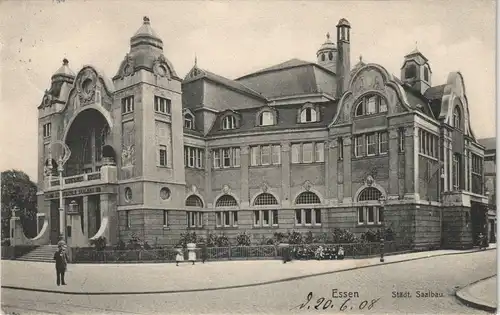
[[44, 253]]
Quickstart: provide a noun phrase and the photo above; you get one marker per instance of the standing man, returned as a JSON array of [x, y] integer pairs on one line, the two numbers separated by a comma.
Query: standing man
[[61, 259]]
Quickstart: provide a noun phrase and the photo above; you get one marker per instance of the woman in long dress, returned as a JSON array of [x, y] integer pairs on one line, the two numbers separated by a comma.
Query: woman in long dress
[[179, 256]]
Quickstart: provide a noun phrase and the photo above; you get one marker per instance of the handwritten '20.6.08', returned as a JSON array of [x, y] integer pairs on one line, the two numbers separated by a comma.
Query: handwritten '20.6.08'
[[323, 303]]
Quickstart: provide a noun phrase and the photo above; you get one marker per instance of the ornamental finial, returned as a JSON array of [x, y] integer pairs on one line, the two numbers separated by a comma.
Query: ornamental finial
[[328, 35], [146, 20]]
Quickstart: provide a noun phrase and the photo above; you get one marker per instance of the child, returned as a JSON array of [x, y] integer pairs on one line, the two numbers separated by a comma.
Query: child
[[340, 253], [179, 256]]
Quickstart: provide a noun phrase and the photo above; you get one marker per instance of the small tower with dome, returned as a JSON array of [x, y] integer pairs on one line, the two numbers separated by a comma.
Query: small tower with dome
[[416, 71], [327, 55]]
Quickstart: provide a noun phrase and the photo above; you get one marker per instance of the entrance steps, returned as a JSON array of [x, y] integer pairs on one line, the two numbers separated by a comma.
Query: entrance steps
[[44, 253]]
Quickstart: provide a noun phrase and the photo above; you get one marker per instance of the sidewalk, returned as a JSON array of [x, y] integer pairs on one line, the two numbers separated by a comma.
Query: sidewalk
[[481, 294], [95, 279]]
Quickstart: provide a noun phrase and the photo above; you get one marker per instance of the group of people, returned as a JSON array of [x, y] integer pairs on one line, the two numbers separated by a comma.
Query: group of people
[[179, 257]]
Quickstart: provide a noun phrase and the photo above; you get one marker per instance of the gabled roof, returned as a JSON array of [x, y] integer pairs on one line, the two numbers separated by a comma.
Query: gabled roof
[[418, 101], [434, 95], [292, 63]]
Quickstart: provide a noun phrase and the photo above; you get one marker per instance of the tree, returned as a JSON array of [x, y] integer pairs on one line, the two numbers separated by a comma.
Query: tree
[[18, 190]]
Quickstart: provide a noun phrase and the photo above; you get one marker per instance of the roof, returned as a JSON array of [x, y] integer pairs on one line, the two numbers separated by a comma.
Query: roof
[[286, 115], [281, 66], [490, 144], [434, 95], [418, 101], [146, 29], [64, 70], [231, 83]]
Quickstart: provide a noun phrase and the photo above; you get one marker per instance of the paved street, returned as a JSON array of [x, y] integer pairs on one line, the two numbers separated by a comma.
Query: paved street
[[438, 274]]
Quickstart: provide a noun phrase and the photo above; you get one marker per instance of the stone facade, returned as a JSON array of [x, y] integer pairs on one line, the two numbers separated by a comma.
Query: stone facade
[[329, 146]]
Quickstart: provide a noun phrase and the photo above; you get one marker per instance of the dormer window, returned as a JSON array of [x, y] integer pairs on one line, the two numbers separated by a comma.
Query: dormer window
[[456, 117], [229, 122], [188, 121], [371, 105], [411, 72], [308, 115], [266, 119]]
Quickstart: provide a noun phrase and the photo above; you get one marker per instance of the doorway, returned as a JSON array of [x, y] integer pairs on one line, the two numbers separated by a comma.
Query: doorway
[[479, 217]]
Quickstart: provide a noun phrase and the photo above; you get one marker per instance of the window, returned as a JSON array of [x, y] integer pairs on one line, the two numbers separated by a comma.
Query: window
[[369, 214], [308, 217], [428, 143], [320, 152], [265, 155], [194, 219], [226, 201], [358, 146], [456, 118], [188, 121], [411, 72], [229, 122], [307, 153], [456, 171], [330, 55], [162, 105], [371, 142], [47, 128], [308, 115], [128, 194], [276, 155], [194, 201], [322, 57], [401, 135], [369, 193], [163, 155], [383, 144], [265, 199], [266, 119], [193, 157], [426, 74], [477, 164], [295, 153], [165, 217], [226, 157], [127, 104], [226, 218], [265, 218], [340, 148], [307, 198], [370, 105], [127, 218]]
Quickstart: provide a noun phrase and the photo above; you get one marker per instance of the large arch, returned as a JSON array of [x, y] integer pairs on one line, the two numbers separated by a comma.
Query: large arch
[[88, 136]]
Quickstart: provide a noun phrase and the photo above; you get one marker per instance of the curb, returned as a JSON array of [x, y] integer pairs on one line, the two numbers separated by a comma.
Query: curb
[[233, 286], [483, 307]]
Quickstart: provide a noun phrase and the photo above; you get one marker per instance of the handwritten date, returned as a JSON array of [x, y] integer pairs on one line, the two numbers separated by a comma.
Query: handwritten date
[[323, 303]]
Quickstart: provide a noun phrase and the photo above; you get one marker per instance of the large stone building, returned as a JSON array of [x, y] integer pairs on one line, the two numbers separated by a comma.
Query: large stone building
[[490, 182], [305, 146]]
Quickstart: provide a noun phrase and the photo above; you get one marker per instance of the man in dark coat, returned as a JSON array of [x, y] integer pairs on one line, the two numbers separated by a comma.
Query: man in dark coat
[[61, 258], [204, 252]]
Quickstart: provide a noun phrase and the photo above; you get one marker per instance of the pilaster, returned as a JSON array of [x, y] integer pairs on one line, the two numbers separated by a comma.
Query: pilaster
[[86, 216], [244, 164], [285, 173], [411, 162], [208, 178], [393, 162], [332, 189], [347, 186]]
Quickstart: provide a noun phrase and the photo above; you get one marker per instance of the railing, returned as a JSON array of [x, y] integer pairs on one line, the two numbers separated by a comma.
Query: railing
[[77, 179], [305, 251]]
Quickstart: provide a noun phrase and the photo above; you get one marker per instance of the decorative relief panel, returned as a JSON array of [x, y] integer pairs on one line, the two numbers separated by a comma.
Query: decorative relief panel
[[129, 67], [86, 86], [128, 147], [370, 79], [160, 67]]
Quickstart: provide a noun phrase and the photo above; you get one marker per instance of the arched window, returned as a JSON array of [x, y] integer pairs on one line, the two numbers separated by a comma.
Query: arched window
[[188, 121], [330, 55], [226, 201], [411, 72], [456, 117], [322, 57], [426, 74], [266, 119], [369, 193], [265, 199], [194, 201], [307, 198], [370, 105], [308, 115], [229, 122]]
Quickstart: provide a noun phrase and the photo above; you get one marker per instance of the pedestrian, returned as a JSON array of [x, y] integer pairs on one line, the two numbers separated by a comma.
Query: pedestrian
[[340, 253], [204, 252], [61, 258], [179, 256]]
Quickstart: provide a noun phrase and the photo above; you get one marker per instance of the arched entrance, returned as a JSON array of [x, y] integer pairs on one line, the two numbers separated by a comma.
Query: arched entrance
[[89, 133]]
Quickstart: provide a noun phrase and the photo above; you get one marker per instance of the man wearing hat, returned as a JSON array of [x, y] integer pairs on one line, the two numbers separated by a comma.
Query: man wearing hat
[[61, 259]]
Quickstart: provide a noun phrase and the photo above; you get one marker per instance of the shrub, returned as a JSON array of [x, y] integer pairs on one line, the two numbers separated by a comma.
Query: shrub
[[340, 236], [243, 239], [280, 237], [6, 242], [321, 238], [295, 238], [99, 243], [120, 245], [309, 238], [187, 238]]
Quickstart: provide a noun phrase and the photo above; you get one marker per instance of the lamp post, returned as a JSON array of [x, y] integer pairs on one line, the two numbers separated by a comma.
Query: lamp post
[[382, 219], [62, 214]]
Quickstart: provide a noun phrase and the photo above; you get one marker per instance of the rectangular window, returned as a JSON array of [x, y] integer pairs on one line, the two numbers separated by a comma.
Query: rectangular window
[[256, 217], [162, 105], [127, 104], [320, 152], [226, 157], [276, 154], [401, 140], [295, 153], [298, 217], [371, 106], [165, 217], [382, 105], [192, 156], [235, 218], [127, 218], [371, 144], [358, 146], [317, 216], [186, 157], [218, 218], [307, 153], [370, 217], [265, 218], [217, 158], [163, 155], [236, 157], [255, 156], [361, 215], [47, 128], [265, 155], [383, 144], [456, 171], [275, 217], [341, 148], [227, 220], [308, 215], [199, 158], [195, 219]]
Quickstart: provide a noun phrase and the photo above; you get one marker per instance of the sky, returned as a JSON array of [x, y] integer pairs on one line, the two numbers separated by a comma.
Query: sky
[[233, 39]]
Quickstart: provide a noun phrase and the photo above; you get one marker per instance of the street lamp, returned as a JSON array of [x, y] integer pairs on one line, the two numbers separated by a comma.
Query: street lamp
[[62, 213], [382, 219]]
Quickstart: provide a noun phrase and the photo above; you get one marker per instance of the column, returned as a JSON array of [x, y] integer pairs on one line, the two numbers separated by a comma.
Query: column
[[446, 162], [450, 166], [85, 205], [104, 204], [411, 161], [393, 162], [346, 193], [208, 177], [285, 174], [333, 147], [465, 168], [469, 171], [244, 165]]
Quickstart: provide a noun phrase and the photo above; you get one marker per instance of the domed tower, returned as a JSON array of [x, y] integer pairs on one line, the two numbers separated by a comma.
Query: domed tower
[[416, 71], [327, 55], [343, 60], [148, 103]]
